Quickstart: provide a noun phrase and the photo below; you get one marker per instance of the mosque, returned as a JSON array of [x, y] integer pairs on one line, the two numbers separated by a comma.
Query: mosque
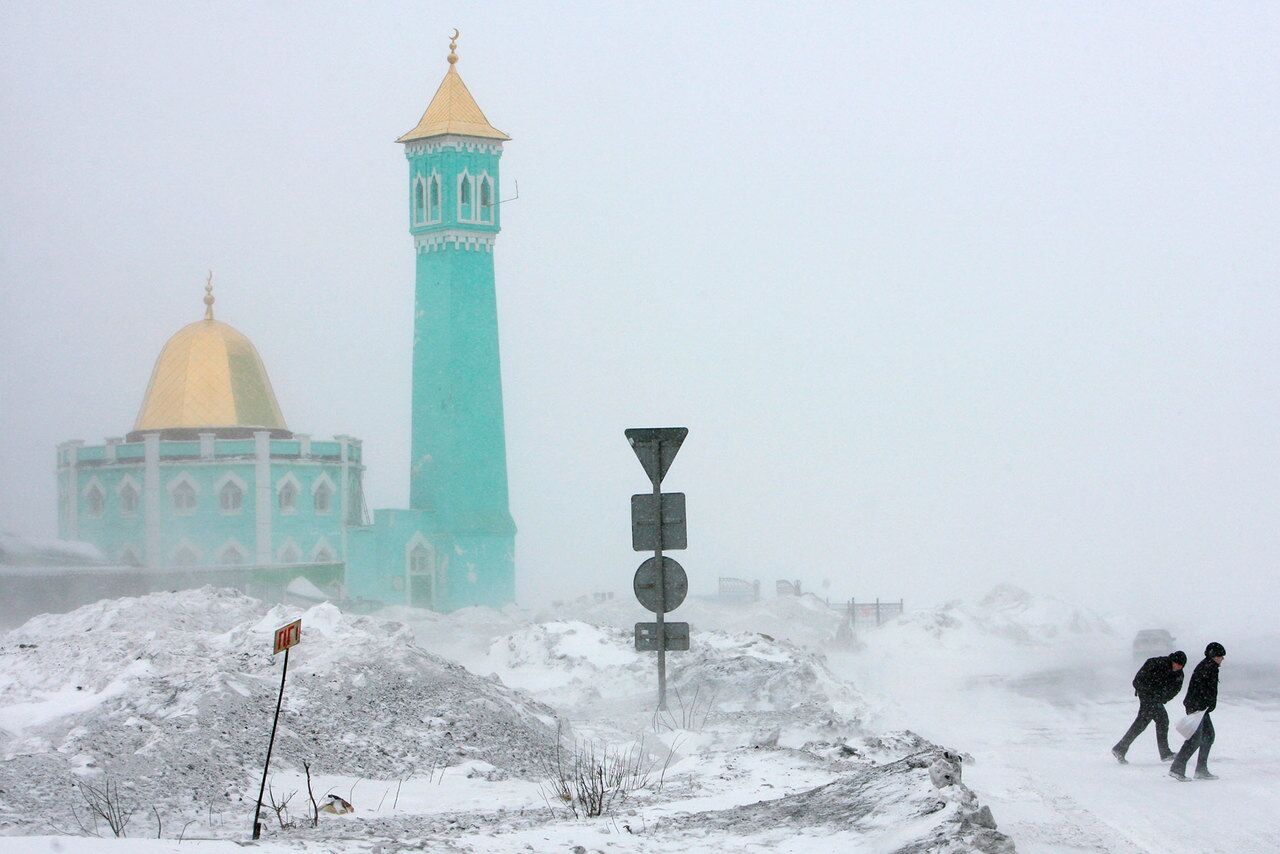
[[211, 486]]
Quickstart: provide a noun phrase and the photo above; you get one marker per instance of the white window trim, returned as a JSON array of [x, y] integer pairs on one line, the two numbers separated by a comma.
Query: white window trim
[[182, 478], [322, 545], [483, 215], [189, 546], [89, 487], [466, 177], [288, 544], [231, 477], [435, 213], [129, 480], [280, 484], [421, 216], [324, 480], [239, 547]]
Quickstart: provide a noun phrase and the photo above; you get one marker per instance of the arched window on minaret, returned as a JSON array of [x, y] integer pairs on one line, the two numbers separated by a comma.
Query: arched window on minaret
[[465, 212], [433, 210], [419, 201], [486, 200]]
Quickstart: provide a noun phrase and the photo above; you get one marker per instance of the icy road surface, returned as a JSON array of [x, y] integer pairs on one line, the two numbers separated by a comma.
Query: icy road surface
[[1042, 739]]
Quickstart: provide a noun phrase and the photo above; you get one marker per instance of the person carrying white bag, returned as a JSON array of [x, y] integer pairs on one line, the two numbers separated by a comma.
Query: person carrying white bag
[[1201, 700]]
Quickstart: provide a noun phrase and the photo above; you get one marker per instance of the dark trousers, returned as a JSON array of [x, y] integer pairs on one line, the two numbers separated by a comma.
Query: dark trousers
[[1148, 710], [1202, 740]]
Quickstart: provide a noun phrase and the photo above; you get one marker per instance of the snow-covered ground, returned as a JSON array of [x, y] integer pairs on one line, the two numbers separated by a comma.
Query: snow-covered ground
[[1038, 691], [170, 694], [442, 730]]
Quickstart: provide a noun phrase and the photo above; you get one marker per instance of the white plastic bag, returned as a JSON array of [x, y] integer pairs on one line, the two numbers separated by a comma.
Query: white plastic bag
[[1187, 726]]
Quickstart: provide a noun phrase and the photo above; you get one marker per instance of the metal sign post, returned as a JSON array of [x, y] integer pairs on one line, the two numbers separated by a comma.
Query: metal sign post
[[286, 637], [658, 521]]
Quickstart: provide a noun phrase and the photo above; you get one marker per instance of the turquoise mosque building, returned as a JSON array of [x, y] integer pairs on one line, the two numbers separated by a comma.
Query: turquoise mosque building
[[212, 485]]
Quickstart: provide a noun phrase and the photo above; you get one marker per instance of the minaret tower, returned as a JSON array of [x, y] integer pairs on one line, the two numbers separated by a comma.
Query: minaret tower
[[459, 462]]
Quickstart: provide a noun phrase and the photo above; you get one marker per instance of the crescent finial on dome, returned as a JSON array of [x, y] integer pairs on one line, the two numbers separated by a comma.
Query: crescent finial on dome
[[208, 297]]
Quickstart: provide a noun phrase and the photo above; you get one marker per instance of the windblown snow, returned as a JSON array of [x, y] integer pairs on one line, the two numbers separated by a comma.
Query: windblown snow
[[171, 695]]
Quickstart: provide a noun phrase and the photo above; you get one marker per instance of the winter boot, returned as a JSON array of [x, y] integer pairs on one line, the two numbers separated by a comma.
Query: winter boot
[[1119, 755], [1203, 774], [1179, 776], [1167, 755]]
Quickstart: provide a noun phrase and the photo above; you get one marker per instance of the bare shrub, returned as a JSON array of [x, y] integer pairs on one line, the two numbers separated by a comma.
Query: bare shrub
[[315, 810], [594, 779], [280, 807], [102, 802], [691, 714]]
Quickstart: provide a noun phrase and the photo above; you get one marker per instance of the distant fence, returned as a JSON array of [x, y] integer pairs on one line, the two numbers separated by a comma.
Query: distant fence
[[738, 589], [875, 613]]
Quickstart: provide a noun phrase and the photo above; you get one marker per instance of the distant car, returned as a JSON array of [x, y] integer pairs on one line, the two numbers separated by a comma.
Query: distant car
[[1151, 642]]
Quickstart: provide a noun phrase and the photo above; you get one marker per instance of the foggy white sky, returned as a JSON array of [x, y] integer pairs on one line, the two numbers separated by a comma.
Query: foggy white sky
[[947, 294]]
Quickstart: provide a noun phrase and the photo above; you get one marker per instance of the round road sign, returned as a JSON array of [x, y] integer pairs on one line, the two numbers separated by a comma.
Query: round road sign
[[675, 585]]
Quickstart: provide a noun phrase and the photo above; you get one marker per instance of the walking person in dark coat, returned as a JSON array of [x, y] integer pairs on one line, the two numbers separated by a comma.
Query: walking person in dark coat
[[1202, 695], [1157, 682]]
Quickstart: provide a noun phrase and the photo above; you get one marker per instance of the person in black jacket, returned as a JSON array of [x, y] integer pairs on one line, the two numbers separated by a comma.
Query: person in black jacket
[[1157, 682], [1202, 695]]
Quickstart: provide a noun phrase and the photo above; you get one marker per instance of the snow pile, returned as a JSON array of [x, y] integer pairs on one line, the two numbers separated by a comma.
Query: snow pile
[[1005, 616], [173, 693], [749, 676], [33, 551]]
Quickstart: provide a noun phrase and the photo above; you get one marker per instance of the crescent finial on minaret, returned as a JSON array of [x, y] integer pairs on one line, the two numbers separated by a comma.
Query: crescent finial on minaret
[[208, 297], [453, 47]]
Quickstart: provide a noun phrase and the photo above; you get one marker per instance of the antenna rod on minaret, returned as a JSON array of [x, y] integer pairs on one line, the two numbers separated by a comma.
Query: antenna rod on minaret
[[208, 297]]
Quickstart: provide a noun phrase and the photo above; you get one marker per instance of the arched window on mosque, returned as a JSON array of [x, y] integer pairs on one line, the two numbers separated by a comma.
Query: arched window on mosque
[[419, 560], [419, 201], [231, 497], [128, 500], [129, 556], [324, 556], [433, 210], [232, 556], [184, 498], [94, 501], [486, 200], [290, 554], [288, 498], [324, 497], [185, 556], [464, 199]]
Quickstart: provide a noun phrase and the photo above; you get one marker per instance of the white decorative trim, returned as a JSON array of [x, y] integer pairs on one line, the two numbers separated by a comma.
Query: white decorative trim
[[188, 546], [151, 496], [437, 144], [322, 546], [90, 485], [471, 241], [129, 480], [238, 482], [263, 497], [232, 544], [324, 480], [174, 483], [288, 544], [280, 484], [477, 209], [465, 180]]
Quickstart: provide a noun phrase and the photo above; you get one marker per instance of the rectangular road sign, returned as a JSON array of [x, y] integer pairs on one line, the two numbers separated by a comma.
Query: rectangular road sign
[[644, 522], [676, 634], [287, 636]]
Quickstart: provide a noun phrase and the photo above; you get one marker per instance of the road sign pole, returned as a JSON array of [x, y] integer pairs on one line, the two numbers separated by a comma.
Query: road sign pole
[[257, 828], [662, 592]]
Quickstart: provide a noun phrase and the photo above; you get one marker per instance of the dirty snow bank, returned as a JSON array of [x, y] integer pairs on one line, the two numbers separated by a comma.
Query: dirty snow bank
[[174, 693]]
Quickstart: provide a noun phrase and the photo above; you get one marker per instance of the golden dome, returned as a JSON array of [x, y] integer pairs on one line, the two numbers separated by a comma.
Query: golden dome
[[209, 377]]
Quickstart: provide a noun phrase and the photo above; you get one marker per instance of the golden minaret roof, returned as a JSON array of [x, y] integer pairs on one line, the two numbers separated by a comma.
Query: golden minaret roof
[[453, 110], [209, 377]]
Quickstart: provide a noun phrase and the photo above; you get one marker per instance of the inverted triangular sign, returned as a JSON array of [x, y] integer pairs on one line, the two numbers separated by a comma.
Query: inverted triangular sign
[[656, 447]]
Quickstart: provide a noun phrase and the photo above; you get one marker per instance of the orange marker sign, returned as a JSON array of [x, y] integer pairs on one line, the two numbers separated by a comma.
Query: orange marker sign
[[287, 636]]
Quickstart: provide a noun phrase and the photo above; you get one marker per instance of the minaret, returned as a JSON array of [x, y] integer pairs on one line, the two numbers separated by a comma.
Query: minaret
[[459, 462]]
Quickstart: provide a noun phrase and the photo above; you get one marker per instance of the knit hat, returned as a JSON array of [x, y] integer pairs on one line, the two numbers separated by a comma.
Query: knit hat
[[1214, 650], [1178, 657]]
